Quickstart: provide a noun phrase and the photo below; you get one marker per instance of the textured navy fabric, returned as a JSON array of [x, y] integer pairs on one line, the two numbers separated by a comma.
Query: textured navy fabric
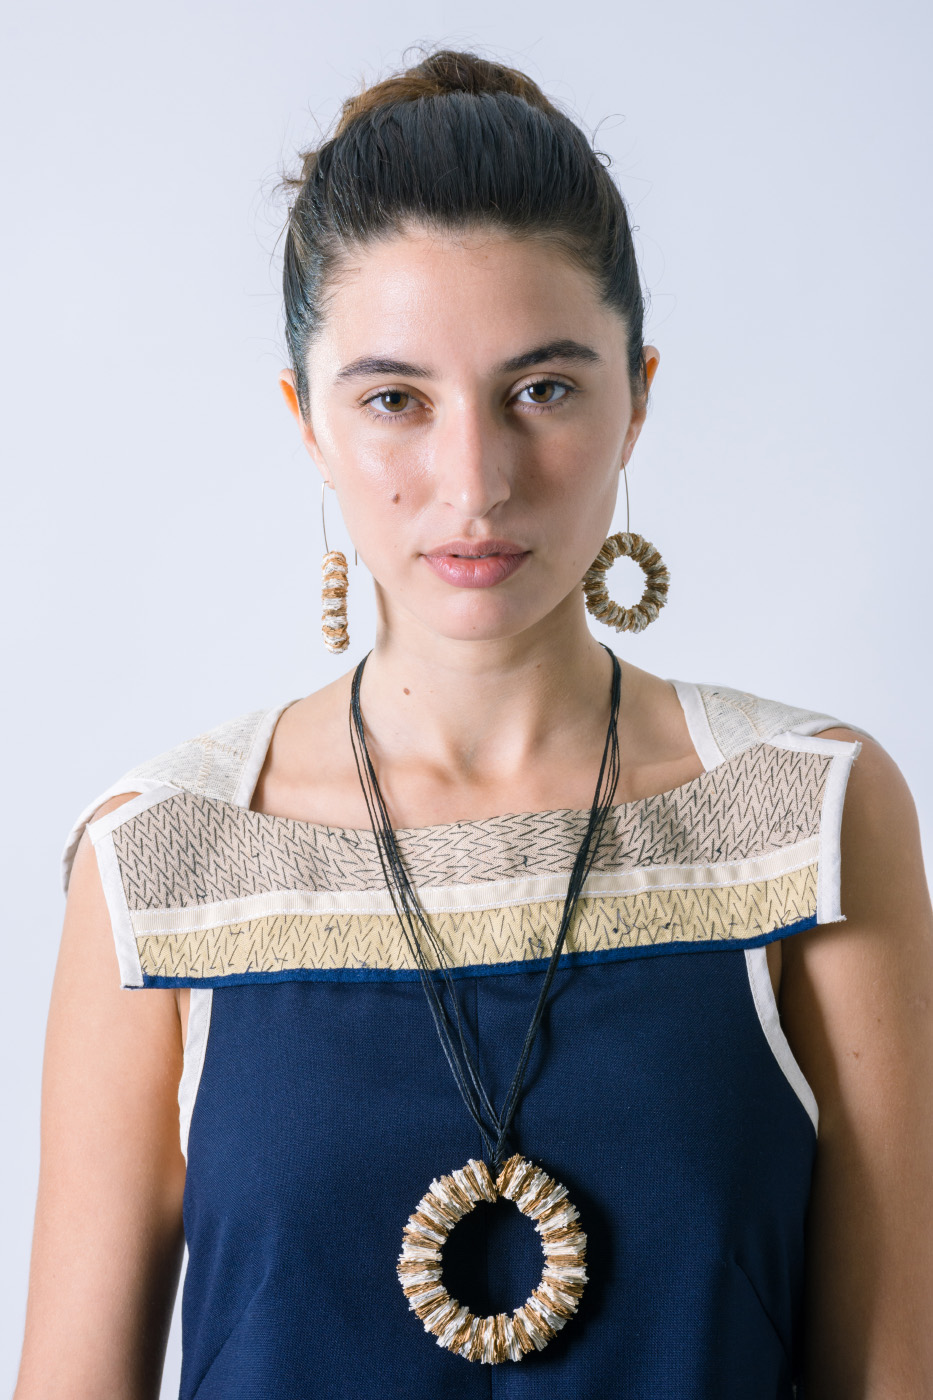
[[325, 1109]]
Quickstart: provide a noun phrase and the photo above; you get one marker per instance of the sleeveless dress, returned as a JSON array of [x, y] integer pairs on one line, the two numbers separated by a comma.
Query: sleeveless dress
[[316, 1105]]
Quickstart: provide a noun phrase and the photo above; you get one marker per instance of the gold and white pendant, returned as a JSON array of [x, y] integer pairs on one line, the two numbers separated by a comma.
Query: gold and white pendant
[[503, 1337]]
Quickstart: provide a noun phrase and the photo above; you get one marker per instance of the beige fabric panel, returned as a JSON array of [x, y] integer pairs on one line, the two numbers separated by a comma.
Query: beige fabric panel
[[491, 937]]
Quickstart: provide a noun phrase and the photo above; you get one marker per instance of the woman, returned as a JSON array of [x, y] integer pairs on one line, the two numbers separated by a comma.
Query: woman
[[647, 994]]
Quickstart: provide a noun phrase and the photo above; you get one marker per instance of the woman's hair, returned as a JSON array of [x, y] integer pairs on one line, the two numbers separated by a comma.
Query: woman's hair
[[458, 143]]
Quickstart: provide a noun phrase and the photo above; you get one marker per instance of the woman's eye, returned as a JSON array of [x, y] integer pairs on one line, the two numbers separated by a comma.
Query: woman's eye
[[394, 403], [391, 401], [545, 392]]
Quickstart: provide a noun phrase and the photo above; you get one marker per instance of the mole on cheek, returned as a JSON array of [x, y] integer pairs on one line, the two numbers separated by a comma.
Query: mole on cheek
[[406, 690], [395, 499]]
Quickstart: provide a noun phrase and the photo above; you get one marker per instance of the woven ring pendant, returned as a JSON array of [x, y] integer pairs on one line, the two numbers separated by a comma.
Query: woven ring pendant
[[503, 1337], [658, 579]]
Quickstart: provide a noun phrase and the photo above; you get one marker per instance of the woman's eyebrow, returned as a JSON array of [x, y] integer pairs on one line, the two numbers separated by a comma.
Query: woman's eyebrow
[[554, 350], [368, 365]]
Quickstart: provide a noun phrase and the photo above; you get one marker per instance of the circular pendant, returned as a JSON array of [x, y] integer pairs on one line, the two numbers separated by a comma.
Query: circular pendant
[[504, 1337]]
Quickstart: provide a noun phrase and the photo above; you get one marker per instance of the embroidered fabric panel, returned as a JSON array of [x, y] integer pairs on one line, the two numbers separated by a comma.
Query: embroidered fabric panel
[[356, 946], [190, 849], [204, 892]]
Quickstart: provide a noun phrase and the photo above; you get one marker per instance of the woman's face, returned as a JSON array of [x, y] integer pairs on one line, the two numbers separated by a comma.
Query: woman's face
[[471, 391]]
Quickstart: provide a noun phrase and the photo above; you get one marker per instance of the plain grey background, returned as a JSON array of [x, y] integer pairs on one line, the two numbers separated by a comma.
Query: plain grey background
[[162, 533]]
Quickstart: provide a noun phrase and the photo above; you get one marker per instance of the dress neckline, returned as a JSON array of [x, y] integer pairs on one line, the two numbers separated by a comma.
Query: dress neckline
[[689, 698]]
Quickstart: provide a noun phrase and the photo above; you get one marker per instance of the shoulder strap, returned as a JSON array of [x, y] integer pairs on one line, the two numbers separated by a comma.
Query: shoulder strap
[[223, 762], [726, 722]]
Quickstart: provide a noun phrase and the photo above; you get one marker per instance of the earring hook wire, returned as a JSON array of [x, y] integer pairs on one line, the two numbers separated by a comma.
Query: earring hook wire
[[324, 527], [628, 517]]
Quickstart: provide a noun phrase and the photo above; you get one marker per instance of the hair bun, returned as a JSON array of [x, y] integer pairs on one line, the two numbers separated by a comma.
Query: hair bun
[[442, 72]]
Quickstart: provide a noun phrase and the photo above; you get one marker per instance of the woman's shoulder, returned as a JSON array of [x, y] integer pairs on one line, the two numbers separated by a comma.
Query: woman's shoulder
[[221, 762]]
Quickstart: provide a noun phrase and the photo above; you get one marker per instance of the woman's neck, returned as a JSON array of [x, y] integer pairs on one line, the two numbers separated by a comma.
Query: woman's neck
[[481, 713], [462, 732]]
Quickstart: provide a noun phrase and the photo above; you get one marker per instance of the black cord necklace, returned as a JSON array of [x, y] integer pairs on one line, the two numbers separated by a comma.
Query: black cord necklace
[[555, 1300]]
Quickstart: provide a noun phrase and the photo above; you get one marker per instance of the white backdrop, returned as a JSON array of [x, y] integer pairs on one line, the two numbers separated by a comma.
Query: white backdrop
[[162, 542]]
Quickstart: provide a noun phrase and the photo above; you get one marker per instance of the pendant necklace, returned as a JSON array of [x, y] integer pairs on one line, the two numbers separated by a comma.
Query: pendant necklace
[[505, 1336]]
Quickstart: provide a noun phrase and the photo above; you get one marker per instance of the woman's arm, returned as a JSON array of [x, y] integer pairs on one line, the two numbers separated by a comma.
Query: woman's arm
[[857, 1008], [108, 1240]]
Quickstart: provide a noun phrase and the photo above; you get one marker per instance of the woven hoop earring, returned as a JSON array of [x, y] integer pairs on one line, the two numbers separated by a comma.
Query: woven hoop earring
[[635, 547], [598, 602], [333, 593]]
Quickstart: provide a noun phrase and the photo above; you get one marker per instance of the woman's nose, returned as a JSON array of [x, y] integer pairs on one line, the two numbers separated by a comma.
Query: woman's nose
[[472, 463]]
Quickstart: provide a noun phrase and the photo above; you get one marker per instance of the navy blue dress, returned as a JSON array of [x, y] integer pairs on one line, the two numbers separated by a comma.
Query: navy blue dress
[[317, 1105]]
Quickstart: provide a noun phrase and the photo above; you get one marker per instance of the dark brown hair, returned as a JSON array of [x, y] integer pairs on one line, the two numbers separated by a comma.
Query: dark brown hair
[[456, 142]]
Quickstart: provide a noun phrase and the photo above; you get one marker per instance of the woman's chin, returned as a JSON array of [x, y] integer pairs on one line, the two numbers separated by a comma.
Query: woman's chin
[[483, 618]]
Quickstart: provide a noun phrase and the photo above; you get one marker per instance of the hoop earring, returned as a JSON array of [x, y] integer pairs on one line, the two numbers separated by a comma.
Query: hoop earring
[[333, 593], [631, 546]]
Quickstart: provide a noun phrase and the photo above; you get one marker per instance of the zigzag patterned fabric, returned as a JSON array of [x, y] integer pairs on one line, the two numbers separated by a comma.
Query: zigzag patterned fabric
[[202, 891], [211, 763]]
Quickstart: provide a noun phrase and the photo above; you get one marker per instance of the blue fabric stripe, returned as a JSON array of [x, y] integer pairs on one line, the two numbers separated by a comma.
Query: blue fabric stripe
[[388, 974]]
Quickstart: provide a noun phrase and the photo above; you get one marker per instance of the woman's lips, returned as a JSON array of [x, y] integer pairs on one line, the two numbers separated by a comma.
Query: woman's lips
[[475, 573]]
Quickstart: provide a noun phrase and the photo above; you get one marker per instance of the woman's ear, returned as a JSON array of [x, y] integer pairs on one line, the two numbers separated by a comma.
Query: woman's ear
[[290, 395], [652, 357]]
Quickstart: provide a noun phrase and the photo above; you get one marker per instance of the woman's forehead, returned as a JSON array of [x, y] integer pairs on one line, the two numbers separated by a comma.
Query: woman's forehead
[[482, 296]]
